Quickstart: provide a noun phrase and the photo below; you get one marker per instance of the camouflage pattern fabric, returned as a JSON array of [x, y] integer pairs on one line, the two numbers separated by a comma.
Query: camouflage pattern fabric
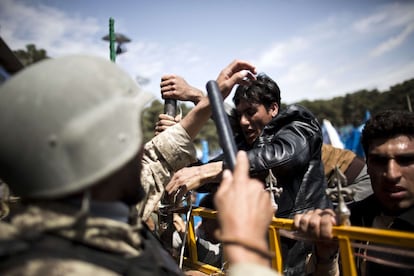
[[38, 223], [165, 154], [63, 220]]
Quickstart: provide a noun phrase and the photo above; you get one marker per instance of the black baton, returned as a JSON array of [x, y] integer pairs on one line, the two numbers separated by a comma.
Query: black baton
[[170, 107], [222, 124]]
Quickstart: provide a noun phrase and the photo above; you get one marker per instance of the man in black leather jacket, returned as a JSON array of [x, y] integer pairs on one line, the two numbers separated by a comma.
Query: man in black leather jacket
[[286, 144]]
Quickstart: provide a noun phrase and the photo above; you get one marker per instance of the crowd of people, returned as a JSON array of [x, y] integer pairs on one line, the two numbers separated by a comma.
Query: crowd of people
[[88, 187]]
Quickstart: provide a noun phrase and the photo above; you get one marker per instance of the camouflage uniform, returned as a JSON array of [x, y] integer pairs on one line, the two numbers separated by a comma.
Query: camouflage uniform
[[166, 153], [55, 239], [73, 128]]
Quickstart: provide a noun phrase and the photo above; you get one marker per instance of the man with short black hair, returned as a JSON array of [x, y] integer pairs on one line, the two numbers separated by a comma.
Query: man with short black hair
[[388, 142]]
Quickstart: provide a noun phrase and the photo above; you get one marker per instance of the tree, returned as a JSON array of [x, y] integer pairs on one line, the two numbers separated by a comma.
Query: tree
[[30, 55]]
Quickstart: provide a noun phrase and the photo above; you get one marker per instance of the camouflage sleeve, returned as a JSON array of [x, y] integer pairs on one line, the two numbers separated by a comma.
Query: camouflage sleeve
[[166, 153], [56, 266]]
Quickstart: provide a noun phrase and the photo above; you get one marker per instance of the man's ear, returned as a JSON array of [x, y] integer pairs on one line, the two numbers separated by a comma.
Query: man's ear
[[274, 109]]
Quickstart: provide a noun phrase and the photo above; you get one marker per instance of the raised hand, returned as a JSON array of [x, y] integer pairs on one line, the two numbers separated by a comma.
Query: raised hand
[[175, 87], [237, 72]]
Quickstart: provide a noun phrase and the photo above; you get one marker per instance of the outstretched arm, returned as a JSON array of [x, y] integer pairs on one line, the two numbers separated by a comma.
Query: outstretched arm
[[193, 177]]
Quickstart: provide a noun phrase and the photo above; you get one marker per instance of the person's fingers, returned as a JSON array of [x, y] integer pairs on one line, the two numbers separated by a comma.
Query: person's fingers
[[167, 123], [168, 86], [240, 77], [232, 74], [317, 223], [313, 226], [326, 228], [296, 221], [303, 223], [170, 187], [168, 91], [327, 221], [238, 65], [167, 117], [166, 79], [164, 121]]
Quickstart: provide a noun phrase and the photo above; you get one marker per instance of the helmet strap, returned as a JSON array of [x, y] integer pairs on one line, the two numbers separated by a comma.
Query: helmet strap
[[86, 202], [85, 206]]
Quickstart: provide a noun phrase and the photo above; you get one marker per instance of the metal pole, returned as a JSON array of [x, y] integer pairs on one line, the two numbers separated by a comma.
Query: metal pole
[[112, 54]]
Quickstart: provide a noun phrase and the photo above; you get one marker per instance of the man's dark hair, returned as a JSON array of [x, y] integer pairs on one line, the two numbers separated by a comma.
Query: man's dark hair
[[387, 124], [263, 90]]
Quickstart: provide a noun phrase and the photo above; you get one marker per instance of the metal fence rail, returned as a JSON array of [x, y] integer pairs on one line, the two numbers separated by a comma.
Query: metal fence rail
[[284, 227]]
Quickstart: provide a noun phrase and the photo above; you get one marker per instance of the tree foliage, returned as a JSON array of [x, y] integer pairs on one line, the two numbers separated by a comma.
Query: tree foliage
[[30, 55], [351, 108]]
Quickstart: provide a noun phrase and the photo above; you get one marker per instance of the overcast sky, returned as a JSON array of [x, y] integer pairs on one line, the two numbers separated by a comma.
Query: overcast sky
[[312, 49]]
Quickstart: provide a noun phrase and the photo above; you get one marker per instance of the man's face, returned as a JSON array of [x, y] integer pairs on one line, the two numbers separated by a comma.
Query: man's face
[[253, 117], [390, 165]]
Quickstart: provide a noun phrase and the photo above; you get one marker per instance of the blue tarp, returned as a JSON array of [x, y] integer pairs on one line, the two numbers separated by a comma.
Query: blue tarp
[[352, 139]]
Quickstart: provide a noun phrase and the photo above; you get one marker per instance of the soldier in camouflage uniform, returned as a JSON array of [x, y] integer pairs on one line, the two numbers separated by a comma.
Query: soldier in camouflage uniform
[[72, 153]]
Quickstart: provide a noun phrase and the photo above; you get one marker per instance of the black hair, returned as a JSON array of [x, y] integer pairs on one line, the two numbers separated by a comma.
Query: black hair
[[387, 124], [263, 90]]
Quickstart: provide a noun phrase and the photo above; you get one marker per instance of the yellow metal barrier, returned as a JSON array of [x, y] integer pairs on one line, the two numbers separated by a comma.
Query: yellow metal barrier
[[192, 261], [344, 234]]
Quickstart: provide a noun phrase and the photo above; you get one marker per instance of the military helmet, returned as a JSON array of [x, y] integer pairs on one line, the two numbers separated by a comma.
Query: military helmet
[[67, 123]]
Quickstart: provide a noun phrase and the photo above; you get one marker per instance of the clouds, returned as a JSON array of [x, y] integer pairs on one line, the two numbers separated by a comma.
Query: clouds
[[278, 54], [47, 27], [318, 55], [341, 53], [386, 17], [393, 42], [395, 19]]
